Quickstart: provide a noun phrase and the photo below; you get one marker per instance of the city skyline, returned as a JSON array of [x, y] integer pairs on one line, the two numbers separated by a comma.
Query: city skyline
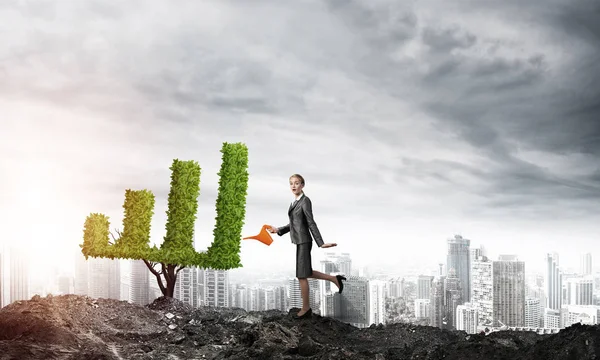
[[503, 294], [410, 122]]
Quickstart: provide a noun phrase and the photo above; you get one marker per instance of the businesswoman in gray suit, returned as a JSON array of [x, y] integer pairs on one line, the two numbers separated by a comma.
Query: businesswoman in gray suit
[[301, 223]]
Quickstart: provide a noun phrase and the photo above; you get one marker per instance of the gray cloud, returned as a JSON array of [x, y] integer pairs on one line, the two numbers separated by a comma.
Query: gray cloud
[[427, 109], [445, 40]]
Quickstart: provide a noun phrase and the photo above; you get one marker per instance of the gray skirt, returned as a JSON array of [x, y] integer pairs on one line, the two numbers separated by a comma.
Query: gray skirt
[[303, 261]]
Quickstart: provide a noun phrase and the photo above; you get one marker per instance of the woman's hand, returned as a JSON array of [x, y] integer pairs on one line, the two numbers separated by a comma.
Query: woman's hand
[[272, 229], [328, 245]]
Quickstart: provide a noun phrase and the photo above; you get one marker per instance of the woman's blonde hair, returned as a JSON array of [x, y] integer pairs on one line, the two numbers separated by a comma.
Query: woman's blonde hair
[[299, 177]]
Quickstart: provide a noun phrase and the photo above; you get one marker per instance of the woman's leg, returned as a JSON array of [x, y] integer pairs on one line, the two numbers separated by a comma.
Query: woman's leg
[[304, 291], [322, 276]]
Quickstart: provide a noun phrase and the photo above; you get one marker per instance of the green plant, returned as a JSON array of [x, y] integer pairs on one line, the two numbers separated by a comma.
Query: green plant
[[176, 251]]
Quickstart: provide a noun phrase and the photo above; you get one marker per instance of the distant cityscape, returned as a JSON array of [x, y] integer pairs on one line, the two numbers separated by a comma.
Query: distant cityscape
[[470, 291]]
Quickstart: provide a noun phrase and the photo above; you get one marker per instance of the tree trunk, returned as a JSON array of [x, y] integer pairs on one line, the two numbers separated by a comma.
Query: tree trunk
[[170, 276]]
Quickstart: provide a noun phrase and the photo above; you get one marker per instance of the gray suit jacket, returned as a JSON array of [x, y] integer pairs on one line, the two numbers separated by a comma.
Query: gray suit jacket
[[301, 222]]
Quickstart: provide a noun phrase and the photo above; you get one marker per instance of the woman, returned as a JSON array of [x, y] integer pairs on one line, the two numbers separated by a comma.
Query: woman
[[301, 222]]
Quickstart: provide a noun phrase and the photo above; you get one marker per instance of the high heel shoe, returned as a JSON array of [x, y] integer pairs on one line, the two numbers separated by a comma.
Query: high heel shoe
[[305, 315], [339, 279]]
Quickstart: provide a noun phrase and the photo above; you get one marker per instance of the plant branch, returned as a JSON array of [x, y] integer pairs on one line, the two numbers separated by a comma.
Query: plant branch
[[178, 270], [157, 274]]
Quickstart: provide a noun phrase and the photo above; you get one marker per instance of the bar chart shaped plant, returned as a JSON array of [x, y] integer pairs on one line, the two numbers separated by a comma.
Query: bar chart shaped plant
[[176, 251]]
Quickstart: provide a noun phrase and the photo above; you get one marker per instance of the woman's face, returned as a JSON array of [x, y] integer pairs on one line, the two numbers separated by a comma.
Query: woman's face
[[296, 186]]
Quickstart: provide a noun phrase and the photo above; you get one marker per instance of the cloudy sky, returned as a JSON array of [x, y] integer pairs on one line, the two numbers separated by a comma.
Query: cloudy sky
[[411, 121]]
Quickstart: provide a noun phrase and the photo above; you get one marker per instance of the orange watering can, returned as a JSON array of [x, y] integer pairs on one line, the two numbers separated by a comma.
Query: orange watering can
[[264, 236]]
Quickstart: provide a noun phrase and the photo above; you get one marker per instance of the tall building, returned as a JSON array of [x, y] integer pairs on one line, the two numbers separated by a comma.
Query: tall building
[[580, 290], [18, 275], [509, 291], [242, 297], [343, 262], [424, 283], [104, 278], [328, 266], [553, 282], [139, 283], [279, 298], [552, 319], [482, 292], [533, 312], [458, 258], [586, 264], [377, 313], [2, 276], [353, 305], [437, 303], [201, 286], [65, 284], [186, 287], [396, 288], [422, 309], [333, 264], [216, 288], [81, 283], [467, 318], [125, 267], [475, 253], [452, 297]]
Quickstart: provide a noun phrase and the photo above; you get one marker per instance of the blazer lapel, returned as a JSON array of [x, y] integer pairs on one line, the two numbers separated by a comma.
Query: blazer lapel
[[294, 204]]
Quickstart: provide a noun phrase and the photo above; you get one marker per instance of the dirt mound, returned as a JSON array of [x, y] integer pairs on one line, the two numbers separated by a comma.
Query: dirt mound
[[76, 327]]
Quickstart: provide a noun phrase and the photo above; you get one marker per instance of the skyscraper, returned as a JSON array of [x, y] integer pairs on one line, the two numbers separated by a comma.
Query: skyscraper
[[18, 275], [475, 253], [333, 264], [580, 290], [424, 283], [343, 262], [104, 278], [452, 298], [352, 306], [553, 282], [186, 286], [216, 288], [482, 292], [2, 274], [508, 291], [396, 288], [437, 303], [139, 283], [65, 284], [532, 312], [586, 264], [458, 258], [422, 309], [467, 318], [377, 313], [81, 283]]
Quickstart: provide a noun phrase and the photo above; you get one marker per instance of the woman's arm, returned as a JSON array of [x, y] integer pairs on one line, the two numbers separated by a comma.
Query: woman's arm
[[283, 230], [312, 225]]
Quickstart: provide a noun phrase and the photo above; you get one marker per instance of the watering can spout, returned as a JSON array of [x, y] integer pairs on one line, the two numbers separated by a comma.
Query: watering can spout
[[264, 236]]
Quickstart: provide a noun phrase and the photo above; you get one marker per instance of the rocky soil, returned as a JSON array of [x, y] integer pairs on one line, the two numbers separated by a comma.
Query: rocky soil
[[76, 327]]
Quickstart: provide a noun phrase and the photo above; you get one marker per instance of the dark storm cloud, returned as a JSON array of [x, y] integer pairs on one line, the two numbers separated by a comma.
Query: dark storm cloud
[[446, 39], [381, 24], [461, 79], [499, 105], [200, 80]]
